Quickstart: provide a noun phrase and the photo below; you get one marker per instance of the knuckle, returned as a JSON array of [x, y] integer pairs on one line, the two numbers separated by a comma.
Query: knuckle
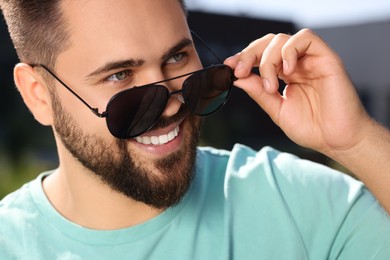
[[254, 43], [306, 31], [269, 35], [281, 37], [266, 38]]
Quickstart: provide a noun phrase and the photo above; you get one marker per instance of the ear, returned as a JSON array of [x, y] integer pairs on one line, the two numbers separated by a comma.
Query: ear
[[34, 93]]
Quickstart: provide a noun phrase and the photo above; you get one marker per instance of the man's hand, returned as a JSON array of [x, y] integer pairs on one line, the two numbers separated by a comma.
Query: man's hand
[[319, 108]]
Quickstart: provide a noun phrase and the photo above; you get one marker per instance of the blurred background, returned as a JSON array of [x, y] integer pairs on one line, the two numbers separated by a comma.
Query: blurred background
[[358, 30]]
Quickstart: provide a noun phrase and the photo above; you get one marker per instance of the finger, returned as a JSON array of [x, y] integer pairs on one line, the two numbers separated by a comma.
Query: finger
[[271, 63], [251, 56], [270, 103], [232, 61], [305, 42]]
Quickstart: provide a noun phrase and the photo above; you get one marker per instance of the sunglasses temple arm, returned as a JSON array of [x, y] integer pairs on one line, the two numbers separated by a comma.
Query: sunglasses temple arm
[[94, 110], [205, 45]]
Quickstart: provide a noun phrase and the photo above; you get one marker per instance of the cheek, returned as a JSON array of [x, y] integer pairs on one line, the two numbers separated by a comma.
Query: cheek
[[93, 124], [82, 116]]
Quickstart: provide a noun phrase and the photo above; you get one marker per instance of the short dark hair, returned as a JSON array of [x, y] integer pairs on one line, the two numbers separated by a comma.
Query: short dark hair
[[38, 29]]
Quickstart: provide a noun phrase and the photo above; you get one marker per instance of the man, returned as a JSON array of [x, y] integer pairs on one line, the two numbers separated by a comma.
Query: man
[[139, 188]]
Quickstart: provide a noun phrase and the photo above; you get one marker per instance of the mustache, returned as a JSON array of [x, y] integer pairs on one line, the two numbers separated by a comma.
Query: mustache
[[179, 116]]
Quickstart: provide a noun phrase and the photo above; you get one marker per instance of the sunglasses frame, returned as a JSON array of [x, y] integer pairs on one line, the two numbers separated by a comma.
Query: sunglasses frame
[[104, 114], [175, 92]]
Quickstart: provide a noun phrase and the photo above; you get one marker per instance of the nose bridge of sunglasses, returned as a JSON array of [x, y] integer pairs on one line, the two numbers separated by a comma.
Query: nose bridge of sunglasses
[[174, 86]]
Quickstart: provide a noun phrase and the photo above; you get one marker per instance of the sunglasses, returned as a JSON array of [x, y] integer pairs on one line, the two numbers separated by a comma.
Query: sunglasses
[[133, 111]]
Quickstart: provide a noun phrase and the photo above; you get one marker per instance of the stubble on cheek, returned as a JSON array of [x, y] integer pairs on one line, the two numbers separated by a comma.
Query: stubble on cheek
[[160, 183]]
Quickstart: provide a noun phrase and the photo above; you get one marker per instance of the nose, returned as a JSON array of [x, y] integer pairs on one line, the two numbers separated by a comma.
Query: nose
[[174, 103], [174, 87]]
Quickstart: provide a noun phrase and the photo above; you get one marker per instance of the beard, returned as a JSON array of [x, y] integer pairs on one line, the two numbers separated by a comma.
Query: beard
[[159, 184]]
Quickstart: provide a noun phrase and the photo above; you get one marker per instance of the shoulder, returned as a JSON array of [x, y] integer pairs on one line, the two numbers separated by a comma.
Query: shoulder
[[270, 167], [208, 154], [271, 172], [282, 182], [18, 215], [14, 203], [14, 217], [321, 205], [284, 171], [24, 202], [19, 206]]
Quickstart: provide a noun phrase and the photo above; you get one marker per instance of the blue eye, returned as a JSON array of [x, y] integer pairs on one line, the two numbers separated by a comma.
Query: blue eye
[[176, 58], [122, 75]]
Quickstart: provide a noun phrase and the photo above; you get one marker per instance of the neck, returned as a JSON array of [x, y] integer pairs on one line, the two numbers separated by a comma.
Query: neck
[[84, 199]]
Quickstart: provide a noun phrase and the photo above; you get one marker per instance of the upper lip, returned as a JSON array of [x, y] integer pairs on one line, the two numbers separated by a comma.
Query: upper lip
[[164, 130]]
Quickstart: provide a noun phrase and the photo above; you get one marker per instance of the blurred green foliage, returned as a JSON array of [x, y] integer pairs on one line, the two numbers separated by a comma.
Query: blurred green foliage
[[13, 174]]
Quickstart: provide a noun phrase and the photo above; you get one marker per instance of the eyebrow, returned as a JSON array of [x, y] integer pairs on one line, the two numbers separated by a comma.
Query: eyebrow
[[122, 64], [177, 47], [112, 65]]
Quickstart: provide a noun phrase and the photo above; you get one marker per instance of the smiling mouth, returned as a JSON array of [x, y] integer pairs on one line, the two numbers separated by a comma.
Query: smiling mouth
[[158, 140]]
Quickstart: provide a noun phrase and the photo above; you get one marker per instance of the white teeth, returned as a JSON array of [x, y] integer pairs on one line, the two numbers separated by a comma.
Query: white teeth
[[145, 140], [163, 139], [158, 140], [154, 140], [171, 135]]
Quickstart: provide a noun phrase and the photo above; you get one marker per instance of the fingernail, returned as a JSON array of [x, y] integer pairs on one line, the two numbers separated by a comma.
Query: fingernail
[[266, 84], [227, 59], [231, 58], [285, 66], [234, 56]]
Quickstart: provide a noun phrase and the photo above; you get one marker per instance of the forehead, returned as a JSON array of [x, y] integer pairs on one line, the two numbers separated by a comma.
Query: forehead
[[106, 29]]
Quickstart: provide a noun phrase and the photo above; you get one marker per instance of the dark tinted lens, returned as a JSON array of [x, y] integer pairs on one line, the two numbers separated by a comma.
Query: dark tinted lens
[[208, 90], [133, 111]]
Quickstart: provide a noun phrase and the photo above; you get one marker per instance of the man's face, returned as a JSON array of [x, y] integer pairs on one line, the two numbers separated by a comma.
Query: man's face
[[115, 47]]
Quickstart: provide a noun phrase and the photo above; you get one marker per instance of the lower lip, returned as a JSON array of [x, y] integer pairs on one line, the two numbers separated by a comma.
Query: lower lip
[[162, 150]]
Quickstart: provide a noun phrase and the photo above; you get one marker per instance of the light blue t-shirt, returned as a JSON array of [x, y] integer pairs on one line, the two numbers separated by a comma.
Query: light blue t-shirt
[[242, 205]]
